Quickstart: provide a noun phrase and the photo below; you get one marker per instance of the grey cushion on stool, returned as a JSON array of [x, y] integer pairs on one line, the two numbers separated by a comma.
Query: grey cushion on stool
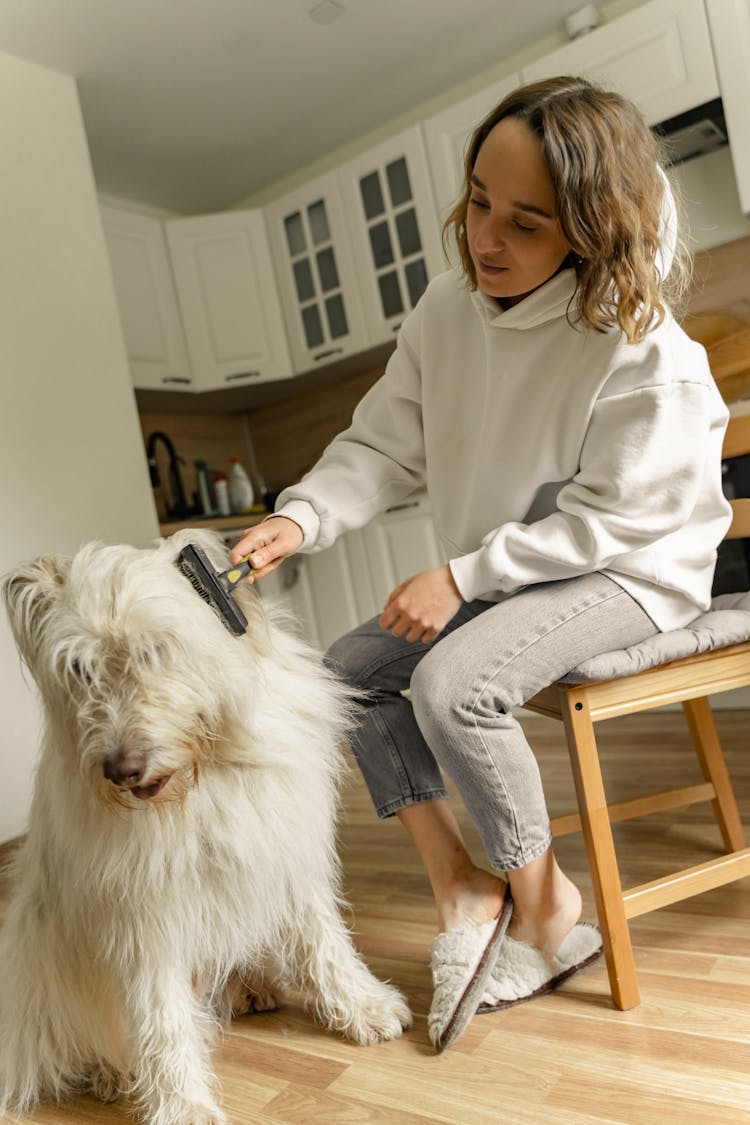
[[726, 623]]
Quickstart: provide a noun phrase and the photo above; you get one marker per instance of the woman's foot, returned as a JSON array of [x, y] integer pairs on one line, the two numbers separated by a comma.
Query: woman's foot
[[474, 897], [544, 911]]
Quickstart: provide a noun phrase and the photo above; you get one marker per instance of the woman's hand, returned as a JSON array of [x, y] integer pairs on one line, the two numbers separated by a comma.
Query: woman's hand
[[421, 607], [267, 545]]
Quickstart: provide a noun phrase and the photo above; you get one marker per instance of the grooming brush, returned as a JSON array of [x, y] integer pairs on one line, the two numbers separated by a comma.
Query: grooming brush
[[215, 586]]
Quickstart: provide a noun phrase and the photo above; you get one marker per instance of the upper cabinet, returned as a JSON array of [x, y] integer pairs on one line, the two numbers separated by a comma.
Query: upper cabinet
[[146, 300], [730, 32], [659, 55], [318, 283], [447, 135], [394, 228], [228, 297]]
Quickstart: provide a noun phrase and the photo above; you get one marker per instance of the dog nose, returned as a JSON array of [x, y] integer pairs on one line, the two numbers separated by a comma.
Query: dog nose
[[124, 766]]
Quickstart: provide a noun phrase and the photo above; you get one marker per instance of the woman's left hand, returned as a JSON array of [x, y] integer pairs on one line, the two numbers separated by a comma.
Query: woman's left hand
[[422, 606]]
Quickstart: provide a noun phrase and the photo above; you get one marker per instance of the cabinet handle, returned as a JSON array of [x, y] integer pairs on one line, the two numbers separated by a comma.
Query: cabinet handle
[[330, 352], [403, 507], [290, 572], [242, 375], [175, 379]]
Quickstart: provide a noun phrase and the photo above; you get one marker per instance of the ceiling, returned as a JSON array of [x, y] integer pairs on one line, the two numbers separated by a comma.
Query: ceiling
[[190, 105]]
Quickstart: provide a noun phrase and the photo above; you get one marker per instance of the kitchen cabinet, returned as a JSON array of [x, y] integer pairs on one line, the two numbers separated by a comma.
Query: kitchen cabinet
[[146, 299], [659, 55], [401, 542], [317, 280], [333, 591], [229, 301], [394, 229], [447, 135], [729, 21], [327, 593]]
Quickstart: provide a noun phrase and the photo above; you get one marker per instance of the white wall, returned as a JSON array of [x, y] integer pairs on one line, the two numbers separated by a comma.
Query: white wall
[[72, 466]]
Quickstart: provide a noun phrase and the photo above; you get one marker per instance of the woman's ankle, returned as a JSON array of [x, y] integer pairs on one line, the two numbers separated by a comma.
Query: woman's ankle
[[545, 908], [475, 897]]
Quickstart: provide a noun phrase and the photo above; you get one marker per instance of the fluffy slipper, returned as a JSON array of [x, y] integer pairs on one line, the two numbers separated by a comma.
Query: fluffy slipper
[[522, 972], [462, 960]]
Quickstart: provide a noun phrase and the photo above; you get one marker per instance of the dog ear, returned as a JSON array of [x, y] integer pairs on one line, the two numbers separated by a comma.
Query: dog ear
[[30, 591]]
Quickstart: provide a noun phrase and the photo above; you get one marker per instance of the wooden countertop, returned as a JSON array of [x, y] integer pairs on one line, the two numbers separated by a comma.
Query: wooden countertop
[[214, 523]]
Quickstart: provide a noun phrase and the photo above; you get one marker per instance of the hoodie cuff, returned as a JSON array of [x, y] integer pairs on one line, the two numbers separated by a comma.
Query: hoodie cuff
[[472, 575], [305, 516]]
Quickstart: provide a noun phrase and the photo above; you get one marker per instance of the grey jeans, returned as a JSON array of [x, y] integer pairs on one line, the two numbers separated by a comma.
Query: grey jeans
[[464, 687]]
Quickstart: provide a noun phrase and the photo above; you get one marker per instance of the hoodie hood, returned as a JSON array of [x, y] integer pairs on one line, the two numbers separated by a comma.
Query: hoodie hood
[[549, 302]]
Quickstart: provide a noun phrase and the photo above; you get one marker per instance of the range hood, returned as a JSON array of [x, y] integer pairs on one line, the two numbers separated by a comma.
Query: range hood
[[694, 133]]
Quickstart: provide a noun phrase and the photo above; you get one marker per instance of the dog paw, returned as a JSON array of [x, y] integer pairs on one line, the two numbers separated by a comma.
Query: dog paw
[[246, 994], [381, 1015], [105, 1083]]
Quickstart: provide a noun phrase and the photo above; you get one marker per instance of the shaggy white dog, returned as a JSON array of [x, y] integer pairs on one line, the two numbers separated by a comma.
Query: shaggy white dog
[[180, 859]]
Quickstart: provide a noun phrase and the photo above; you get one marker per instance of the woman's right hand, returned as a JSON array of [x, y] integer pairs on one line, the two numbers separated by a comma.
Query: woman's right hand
[[267, 545]]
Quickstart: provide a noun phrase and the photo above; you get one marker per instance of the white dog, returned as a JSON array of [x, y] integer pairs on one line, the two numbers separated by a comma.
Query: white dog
[[180, 859]]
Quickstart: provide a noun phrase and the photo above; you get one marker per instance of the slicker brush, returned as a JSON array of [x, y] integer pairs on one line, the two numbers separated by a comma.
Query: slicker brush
[[216, 586]]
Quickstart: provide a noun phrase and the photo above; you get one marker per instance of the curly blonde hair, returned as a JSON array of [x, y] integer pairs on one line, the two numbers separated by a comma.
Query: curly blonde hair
[[604, 163]]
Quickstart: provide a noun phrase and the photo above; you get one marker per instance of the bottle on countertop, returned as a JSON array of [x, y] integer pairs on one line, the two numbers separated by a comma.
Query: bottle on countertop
[[204, 492], [221, 489], [240, 489]]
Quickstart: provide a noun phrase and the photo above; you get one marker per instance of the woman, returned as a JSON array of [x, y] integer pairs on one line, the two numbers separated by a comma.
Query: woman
[[569, 436]]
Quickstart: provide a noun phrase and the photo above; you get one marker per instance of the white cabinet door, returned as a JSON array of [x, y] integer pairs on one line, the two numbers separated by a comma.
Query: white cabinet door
[[317, 280], [332, 592], [327, 593], [228, 297], [400, 543], [340, 587], [146, 299], [289, 586], [730, 31], [394, 229], [447, 135], [659, 55]]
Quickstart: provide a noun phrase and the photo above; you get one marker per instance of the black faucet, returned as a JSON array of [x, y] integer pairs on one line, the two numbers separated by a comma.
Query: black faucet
[[180, 509]]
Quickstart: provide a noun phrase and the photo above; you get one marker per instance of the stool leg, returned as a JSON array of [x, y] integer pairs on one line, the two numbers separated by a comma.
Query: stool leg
[[600, 849], [707, 747]]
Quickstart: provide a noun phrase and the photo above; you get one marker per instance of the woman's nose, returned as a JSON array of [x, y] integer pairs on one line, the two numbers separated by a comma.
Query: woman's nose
[[489, 237]]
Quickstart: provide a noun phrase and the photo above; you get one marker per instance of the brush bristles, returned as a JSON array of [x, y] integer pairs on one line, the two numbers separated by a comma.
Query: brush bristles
[[197, 569]]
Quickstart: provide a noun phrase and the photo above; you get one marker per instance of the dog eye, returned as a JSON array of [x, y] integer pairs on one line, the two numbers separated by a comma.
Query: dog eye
[[80, 672]]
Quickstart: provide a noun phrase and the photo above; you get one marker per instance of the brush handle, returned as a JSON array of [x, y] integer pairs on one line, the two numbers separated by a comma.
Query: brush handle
[[229, 578]]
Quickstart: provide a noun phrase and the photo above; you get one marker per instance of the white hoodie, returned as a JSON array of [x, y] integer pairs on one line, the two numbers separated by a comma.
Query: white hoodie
[[547, 451]]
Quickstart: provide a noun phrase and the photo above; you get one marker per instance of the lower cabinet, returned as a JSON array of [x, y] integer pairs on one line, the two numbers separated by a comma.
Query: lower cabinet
[[331, 592]]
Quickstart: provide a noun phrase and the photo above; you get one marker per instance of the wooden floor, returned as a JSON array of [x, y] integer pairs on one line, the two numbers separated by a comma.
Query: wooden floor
[[566, 1059]]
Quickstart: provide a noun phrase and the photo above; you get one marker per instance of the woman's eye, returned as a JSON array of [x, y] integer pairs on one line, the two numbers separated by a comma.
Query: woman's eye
[[526, 230], [478, 203]]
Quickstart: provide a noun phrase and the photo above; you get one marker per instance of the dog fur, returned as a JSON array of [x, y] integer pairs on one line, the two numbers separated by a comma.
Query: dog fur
[[141, 916]]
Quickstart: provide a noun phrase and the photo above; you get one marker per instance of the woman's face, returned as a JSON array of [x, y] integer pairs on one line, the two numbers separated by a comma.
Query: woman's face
[[513, 234]]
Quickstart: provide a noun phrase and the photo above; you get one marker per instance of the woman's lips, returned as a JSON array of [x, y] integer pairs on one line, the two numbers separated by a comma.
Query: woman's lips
[[487, 267]]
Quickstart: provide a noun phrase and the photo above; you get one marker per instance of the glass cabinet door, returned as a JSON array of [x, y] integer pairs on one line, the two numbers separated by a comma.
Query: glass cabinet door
[[395, 241], [316, 277], [394, 226], [321, 304]]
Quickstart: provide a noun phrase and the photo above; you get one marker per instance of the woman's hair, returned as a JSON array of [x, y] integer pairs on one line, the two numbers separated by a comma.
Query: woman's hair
[[604, 163]]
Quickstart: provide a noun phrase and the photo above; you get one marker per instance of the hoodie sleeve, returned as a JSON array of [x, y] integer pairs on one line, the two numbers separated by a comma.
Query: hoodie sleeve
[[641, 466], [373, 464]]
